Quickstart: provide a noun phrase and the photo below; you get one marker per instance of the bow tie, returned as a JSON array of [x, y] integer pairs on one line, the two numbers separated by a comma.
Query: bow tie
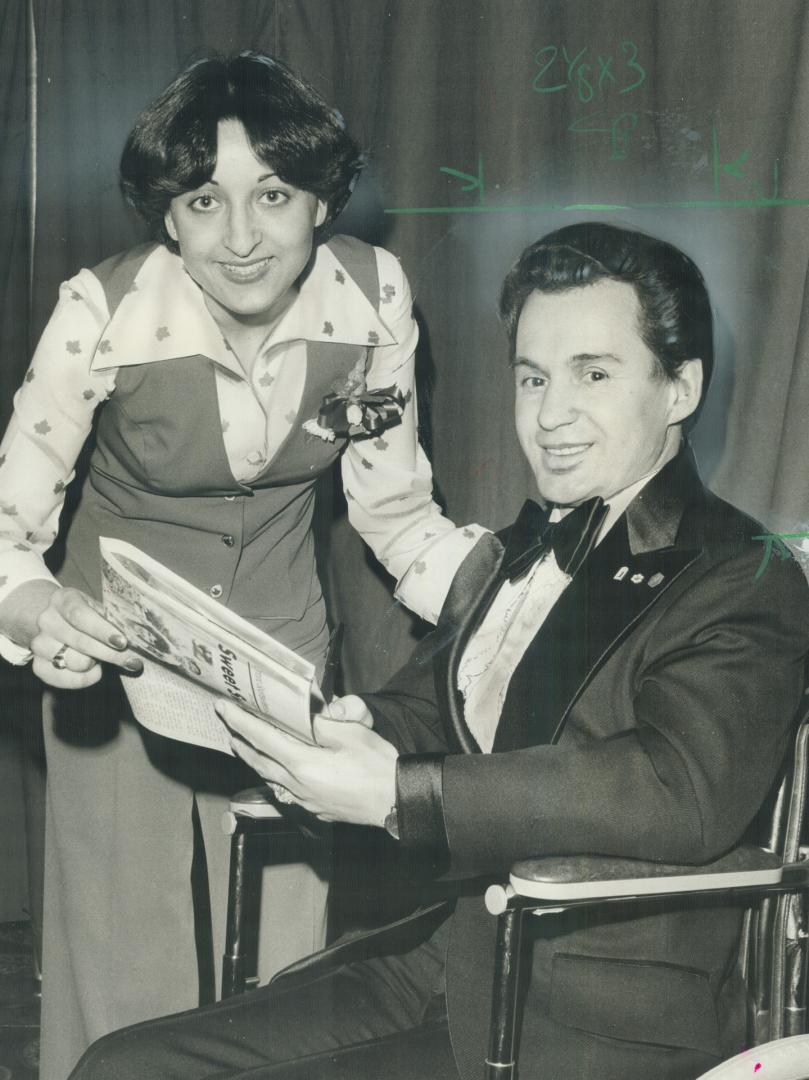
[[570, 539]]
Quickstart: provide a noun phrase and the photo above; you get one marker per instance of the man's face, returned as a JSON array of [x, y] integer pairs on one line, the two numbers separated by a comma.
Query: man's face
[[593, 414]]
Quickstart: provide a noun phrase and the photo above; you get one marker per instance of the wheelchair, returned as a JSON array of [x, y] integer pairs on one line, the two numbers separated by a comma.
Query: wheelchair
[[773, 879]]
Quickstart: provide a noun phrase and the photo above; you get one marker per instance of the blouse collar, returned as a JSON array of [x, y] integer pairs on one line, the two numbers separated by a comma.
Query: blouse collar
[[163, 316]]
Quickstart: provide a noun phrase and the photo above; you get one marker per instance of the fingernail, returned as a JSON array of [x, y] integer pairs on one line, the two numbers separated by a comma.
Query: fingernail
[[134, 664], [118, 641]]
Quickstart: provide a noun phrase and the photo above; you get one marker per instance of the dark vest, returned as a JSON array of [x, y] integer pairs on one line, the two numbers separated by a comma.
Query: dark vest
[[159, 477]]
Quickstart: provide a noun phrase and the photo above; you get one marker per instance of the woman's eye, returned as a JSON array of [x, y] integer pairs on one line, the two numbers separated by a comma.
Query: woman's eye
[[274, 196], [203, 202]]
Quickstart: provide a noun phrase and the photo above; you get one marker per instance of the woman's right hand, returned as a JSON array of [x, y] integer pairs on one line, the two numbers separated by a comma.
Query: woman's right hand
[[73, 639]]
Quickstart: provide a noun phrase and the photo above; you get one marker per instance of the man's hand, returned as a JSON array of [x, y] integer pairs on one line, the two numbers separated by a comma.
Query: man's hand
[[350, 776]]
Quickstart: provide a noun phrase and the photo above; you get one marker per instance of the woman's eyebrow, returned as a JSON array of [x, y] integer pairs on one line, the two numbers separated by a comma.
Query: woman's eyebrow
[[259, 179]]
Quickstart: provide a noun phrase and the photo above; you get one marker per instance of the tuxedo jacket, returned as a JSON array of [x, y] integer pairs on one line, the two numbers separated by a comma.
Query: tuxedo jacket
[[648, 719]]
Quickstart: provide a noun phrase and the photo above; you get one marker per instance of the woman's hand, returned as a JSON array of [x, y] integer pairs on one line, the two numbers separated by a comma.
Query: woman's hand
[[73, 638], [350, 776]]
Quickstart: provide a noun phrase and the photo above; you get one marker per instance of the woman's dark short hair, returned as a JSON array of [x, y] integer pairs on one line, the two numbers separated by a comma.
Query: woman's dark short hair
[[172, 147], [676, 322]]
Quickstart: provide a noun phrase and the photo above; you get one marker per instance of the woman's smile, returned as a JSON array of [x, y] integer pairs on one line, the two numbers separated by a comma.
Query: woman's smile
[[246, 271]]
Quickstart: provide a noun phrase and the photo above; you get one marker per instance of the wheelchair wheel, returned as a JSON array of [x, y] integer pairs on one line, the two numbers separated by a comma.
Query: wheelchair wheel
[[784, 1059]]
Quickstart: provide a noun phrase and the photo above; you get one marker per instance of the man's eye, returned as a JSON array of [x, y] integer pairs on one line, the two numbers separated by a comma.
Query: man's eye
[[595, 376], [533, 382]]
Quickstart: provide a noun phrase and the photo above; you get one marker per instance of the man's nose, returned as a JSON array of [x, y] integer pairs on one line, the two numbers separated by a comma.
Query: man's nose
[[556, 407], [242, 233]]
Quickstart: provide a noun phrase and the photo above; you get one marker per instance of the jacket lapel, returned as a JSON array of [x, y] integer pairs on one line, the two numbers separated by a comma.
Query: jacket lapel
[[473, 589], [599, 608], [657, 538]]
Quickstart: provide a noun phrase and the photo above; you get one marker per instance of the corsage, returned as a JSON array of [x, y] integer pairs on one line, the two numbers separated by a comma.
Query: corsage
[[351, 409]]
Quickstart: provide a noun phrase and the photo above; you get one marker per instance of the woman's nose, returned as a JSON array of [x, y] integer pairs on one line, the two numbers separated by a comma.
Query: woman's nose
[[242, 234]]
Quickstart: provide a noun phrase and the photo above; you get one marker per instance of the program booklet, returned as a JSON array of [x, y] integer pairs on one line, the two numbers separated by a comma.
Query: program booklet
[[195, 651]]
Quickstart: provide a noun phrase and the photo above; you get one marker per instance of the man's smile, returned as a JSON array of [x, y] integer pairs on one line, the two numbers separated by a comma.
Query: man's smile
[[565, 449], [563, 456]]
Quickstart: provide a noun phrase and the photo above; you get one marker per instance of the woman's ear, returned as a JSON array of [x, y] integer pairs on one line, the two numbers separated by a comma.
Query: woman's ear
[[322, 212], [168, 221], [687, 391]]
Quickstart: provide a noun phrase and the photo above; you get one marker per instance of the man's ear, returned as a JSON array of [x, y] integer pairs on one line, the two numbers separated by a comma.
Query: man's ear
[[686, 389], [168, 221]]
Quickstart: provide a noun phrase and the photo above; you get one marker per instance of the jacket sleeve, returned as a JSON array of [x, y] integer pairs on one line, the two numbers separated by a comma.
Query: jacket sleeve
[[715, 697], [406, 711]]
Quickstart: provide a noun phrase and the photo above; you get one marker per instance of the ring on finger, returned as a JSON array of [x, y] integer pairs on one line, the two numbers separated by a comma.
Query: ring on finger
[[282, 794], [58, 658]]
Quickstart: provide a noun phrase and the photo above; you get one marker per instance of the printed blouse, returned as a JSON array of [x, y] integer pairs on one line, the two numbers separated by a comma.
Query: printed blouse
[[387, 480]]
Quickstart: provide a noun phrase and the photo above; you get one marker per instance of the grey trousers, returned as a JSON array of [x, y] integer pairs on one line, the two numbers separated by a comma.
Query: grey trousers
[[384, 1017], [119, 940]]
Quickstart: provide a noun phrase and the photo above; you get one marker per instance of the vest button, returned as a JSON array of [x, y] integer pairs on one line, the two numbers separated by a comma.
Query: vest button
[[215, 591], [227, 540]]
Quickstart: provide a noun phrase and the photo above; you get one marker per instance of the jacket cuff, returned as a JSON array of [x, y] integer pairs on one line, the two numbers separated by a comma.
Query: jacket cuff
[[420, 805]]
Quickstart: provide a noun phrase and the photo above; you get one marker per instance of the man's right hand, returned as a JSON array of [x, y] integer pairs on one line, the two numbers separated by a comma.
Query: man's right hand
[[72, 638]]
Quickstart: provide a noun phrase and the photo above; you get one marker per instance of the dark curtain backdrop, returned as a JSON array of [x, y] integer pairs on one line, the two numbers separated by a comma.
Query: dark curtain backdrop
[[671, 101]]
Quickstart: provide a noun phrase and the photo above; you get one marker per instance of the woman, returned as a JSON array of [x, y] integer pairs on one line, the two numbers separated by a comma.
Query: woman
[[229, 365]]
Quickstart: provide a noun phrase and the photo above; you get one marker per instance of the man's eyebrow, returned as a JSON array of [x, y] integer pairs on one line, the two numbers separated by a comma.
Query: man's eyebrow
[[586, 358], [579, 359]]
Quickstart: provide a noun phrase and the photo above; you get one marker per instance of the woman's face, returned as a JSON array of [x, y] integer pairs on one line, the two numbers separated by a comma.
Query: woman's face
[[245, 236]]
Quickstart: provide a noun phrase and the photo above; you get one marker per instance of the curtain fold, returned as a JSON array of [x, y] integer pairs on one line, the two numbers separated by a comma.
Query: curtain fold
[[15, 220]]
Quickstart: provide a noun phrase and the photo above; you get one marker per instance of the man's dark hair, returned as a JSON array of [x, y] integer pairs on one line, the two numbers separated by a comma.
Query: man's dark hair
[[172, 147], [675, 310]]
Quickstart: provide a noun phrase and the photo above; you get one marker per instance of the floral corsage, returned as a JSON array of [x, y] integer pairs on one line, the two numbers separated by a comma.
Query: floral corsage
[[352, 409]]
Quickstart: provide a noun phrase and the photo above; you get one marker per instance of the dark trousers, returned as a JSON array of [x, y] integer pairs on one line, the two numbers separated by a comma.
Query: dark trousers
[[380, 1018]]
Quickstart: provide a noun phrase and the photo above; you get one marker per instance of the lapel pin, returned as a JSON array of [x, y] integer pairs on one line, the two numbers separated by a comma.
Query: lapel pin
[[636, 579], [621, 574], [654, 580]]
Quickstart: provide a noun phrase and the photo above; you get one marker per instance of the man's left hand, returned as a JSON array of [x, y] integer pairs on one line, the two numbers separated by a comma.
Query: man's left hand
[[350, 776]]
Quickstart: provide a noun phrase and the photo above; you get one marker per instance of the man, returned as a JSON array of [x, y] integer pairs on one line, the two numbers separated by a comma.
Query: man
[[617, 684]]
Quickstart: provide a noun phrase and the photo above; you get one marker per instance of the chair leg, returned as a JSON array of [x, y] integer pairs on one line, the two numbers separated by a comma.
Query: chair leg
[[797, 963], [500, 1064], [233, 973]]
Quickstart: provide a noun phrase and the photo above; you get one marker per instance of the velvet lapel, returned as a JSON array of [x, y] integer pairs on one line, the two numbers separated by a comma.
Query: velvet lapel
[[655, 539]]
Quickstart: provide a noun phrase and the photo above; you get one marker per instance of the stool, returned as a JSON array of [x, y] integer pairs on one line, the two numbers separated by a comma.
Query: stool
[[252, 813]]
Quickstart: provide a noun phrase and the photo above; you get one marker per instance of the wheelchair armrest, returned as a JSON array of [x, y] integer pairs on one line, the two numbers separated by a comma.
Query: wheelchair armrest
[[581, 877], [256, 807], [255, 802], [254, 810]]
